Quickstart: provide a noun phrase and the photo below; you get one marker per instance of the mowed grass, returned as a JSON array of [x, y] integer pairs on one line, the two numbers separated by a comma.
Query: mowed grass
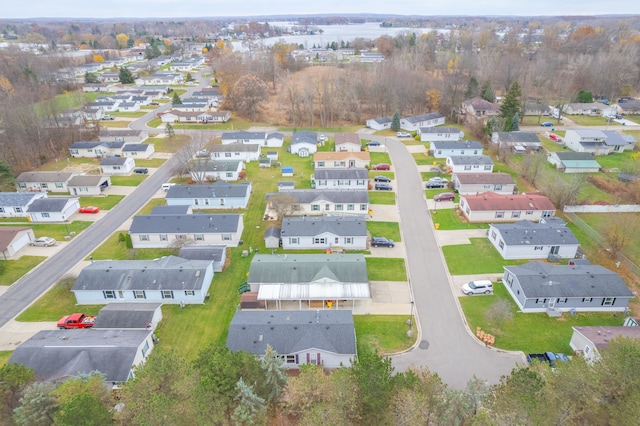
[[380, 158], [103, 203], [133, 180], [382, 197], [154, 202], [479, 257], [384, 229], [115, 249], [422, 159], [450, 220], [12, 270], [600, 221], [152, 162], [4, 357], [58, 231], [56, 303], [384, 334], [163, 144], [530, 332], [591, 120], [386, 269]]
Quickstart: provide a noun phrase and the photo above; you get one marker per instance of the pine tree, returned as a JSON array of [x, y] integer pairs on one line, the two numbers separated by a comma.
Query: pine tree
[[395, 123], [176, 99], [487, 93], [169, 130], [510, 105], [274, 368], [472, 88], [126, 77], [515, 122], [250, 408]]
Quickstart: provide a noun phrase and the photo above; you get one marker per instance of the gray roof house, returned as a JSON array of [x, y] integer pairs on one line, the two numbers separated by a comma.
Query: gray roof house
[[542, 287], [379, 123], [124, 135], [476, 183], [53, 209], [162, 231], [531, 240], [13, 238], [95, 149], [56, 355], [205, 169], [244, 137], [117, 165], [442, 149], [352, 178], [415, 122], [574, 162], [348, 141], [324, 337], [587, 140], [130, 316], [215, 254], [304, 143], [167, 210], [16, 204], [306, 281], [236, 151], [43, 181], [431, 134], [323, 232], [618, 142], [518, 142], [138, 150], [169, 279], [88, 184], [470, 163], [316, 202], [218, 195]]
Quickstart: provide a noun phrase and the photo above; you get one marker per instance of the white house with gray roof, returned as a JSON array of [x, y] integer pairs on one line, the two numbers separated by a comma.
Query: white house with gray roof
[[90, 149], [531, 240], [543, 287], [379, 123], [53, 209], [432, 134], [117, 165], [323, 232], [216, 254], [476, 183], [470, 164], [202, 170], [218, 195], [128, 316], [16, 204], [88, 184], [309, 280], [138, 150], [517, 142], [315, 202], [353, 178], [325, 338], [304, 143], [574, 162], [443, 149], [125, 135], [236, 151], [170, 279], [44, 181], [619, 142], [586, 140], [163, 231], [243, 137], [415, 122], [57, 355]]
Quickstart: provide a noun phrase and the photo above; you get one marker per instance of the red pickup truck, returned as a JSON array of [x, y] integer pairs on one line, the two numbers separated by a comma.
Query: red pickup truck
[[76, 321]]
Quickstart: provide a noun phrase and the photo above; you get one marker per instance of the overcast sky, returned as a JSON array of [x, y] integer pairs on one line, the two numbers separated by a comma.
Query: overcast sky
[[216, 8]]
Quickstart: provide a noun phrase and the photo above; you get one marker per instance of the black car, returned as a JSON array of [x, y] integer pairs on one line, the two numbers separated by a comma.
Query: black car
[[435, 184], [382, 186], [373, 143], [382, 179], [141, 170], [382, 242]]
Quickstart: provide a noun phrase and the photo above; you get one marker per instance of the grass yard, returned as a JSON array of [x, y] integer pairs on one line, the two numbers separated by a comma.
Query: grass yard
[[151, 204], [479, 257], [530, 332], [11, 220], [382, 197], [12, 270], [55, 303], [4, 357], [386, 269], [428, 175], [133, 180], [385, 229], [115, 249], [115, 124], [379, 157], [156, 122], [168, 144], [591, 120], [616, 161], [86, 163], [133, 114], [104, 203], [152, 162], [374, 173], [422, 159], [449, 220], [599, 221], [59, 231], [384, 334]]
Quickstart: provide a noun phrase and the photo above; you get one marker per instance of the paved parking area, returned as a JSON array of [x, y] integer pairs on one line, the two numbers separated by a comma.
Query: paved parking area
[[384, 212]]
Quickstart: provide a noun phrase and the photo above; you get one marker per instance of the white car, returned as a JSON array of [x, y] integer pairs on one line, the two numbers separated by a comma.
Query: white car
[[43, 242], [477, 287], [167, 186], [403, 135]]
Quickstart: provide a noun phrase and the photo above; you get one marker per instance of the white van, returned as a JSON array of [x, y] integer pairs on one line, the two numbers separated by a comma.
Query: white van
[[166, 186]]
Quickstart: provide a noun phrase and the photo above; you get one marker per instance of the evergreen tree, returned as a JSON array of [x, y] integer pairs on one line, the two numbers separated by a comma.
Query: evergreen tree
[[585, 97], [126, 77], [250, 409], [37, 406], [90, 78], [169, 130], [189, 77], [395, 122], [515, 122], [176, 99], [7, 179], [510, 105], [487, 93], [472, 88], [275, 378]]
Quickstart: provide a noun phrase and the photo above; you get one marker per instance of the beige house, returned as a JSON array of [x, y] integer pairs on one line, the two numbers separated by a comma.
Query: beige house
[[348, 142], [492, 207], [341, 160]]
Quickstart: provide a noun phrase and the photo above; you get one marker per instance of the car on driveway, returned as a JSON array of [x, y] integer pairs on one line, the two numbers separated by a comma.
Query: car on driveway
[[382, 179], [373, 143], [108, 117], [436, 182], [43, 242], [141, 170], [444, 196], [546, 124], [381, 166], [382, 242], [403, 135], [477, 287], [89, 209], [383, 186], [555, 137]]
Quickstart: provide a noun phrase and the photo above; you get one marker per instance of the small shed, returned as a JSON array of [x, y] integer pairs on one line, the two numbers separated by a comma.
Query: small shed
[[272, 237], [286, 186], [272, 155], [287, 171], [264, 162]]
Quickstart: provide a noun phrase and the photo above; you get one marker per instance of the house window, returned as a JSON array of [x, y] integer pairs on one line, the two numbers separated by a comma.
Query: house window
[[338, 207], [587, 349], [145, 349], [336, 240], [475, 152], [547, 213], [499, 215], [348, 240], [44, 214], [462, 152], [294, 240], [144, 237], [565, 300], [555, 249], [327, 206], [1, 209], [43, 185], [196, 201], [501, 244], [227, 154], [350, 207], [320, 163], [487, 186], [58, 185], [18, 209], [109, 294], [608, 301], [363, 207], [139, 294], [222, 201], [189, 293], [226, 237], [229, 174], [587, 299], [290, 359], [22, 185], [167, 294], [206, 201], [163, 237], [467, 167], [198, 237], [529, 212], [493, 234], [488, 167], [515, 214], [315, 207], [497, 187], [510, 279], [319, 241], [439, 152]]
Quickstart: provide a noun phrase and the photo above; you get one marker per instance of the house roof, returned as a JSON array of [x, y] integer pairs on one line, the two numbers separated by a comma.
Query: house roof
[[347, 138], [18, 199], [382, 120], [85, 145], [482, 160], [540, 280], [288, 332], [577, 159], [186, 223], [112, 133], [212, 253], [615, 138], [489, 201], [207, 165], [241, 134], [126, 315], [589, 133], [341, 155], [166, 273], [310, 226], [304, 136], [601, 336], [415, 119], [45, 205], [272, 232], [59, 354], [275, 135], [308, 268], [167, 210], [484, 178], [518, 137], [527, 233], [438, 130], [44, 176], [456, 145], [236, 147], [135, 147], [352, 173], [115, 161], [480, 104], [8, 234], [87, 180], [214, 190], [307, 196]]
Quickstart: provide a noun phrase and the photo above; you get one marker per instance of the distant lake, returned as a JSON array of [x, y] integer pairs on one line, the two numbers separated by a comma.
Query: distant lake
[[337, 33]]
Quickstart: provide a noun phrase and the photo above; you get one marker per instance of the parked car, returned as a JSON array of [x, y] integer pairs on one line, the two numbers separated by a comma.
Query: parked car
[[444, 196], [477, 287], [89, 209], [322, 138], [436, 182], [373, 143], [382, 179], [381, 166], [403, 135], [43, 242], [167, 186], [548, 358], [141, 170], [382, 242], [382, 186], [108, 117], [76, 321], [546, 124], [555, 137], [154, 103]]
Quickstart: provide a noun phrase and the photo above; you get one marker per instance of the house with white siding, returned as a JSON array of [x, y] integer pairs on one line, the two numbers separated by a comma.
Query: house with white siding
[[220, 195], [95, 149], [117, 165], [53, 209], [517, 142], [127, 136], [44, 181], [492, 207], [415, 122], [84, 185], [349, 142], [353, 178], [470, 164], [341, 160], [476, 183], [244, 137], [323, 232], [14, 238], [138, 150], [16, 204], [586, 140], [444, 149], [432, 134], [574, 162], [303, 143], [315, 202], [202, 170], [236, 151], [380, 123], [588, 341]]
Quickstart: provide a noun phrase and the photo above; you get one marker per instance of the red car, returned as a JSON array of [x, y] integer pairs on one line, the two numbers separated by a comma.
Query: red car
[[555, 137], [381, 167], [89, 209], [444, 196]]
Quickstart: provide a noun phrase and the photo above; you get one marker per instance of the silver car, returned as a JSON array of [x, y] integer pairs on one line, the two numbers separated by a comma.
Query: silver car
[[43, 242], [477, 287]]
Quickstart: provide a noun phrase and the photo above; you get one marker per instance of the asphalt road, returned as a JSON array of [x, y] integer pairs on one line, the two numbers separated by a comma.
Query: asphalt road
[[446, 346]]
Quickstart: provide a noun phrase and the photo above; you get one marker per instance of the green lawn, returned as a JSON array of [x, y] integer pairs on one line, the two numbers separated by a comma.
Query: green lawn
[[58, 231], [479, 257], [54, 165], [590, 120], [530, 332], [14, 219], [422, 159], [384, 334], [115, 124], [449, 220], [599, 221], [12, 270], [374, 173], [151, 204], [4, 357], [133, 114], [55, 303], [168, 144], [380, 157], [382, 197], [617, 161], [385, 229], [104, 203], [428, 175], [115, 249], [133, 180], [156, 122], [153, 162], [386, 269]]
